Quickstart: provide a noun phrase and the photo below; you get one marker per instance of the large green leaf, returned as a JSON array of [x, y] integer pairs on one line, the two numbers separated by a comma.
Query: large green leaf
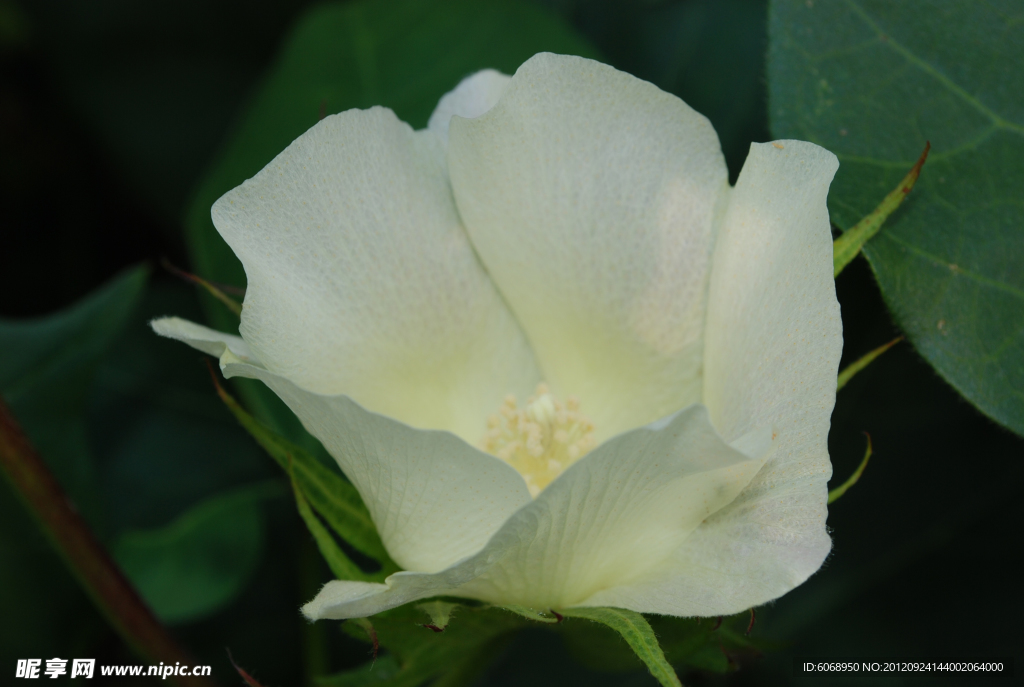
[[872, 80], [404, 54], [46, 365], [200, 561]]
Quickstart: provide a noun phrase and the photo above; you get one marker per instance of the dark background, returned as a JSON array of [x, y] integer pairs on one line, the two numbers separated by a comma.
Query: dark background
[[110, 112]]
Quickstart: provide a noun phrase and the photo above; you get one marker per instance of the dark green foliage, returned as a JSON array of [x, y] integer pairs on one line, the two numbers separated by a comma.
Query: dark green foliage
[[872, 80]]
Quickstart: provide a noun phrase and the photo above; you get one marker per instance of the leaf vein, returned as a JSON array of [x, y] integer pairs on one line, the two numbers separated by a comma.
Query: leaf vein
[[927, 68], [960, 271]]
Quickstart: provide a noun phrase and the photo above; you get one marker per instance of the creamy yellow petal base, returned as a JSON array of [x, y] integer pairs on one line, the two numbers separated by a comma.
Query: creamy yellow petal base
[[606, 520]]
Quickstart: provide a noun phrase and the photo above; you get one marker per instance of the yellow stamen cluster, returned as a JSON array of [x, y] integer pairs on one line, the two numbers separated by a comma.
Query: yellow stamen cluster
[[542, 439]]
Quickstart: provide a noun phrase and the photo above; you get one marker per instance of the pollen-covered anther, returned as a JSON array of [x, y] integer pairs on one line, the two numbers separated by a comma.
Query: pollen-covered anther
[[540, 440]]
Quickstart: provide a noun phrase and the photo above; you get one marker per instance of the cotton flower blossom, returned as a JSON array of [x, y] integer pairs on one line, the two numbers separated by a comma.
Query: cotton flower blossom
[[563, 361]]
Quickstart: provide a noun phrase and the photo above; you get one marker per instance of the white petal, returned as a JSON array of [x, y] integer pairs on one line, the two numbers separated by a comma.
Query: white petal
[[608, 518], [203, 338], [475, 95], [434, 498], [361, 279], [774, 338], [590, 196], [620, 510]]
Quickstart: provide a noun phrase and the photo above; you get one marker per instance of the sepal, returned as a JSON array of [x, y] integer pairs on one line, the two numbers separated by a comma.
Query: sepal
[[320, 492]]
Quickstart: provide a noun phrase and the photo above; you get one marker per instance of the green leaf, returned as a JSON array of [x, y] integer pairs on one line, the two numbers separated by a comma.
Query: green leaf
[[330, 495], [46, 368], [440, 613], [404, 54], [202, 560], [467, 669], [531, 614], [379, 673], [340, 564], [163, 442], [462, 651], [637, 632], [692, 642], [871, 81], [62, 349]]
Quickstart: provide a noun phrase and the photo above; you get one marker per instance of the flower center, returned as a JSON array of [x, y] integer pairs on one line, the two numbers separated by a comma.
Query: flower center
[[541, 440]]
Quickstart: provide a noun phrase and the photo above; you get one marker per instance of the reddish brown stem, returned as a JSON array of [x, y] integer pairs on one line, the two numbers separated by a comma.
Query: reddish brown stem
[[249, 679], [102, 580]]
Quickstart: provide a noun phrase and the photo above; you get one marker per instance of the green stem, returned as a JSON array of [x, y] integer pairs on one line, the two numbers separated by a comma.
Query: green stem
[[102, 580], [229, 302], [841, 489], [856, 366], [315, 650]]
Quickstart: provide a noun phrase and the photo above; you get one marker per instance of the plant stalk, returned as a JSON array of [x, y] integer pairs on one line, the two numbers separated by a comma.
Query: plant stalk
[[96, 571]]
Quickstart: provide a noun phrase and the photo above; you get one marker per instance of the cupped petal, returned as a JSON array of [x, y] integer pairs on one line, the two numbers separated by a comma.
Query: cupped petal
[[361, 279], [607, 519], [434, 499], [591, 196], [475, 95], [774, 337], [620, 510]]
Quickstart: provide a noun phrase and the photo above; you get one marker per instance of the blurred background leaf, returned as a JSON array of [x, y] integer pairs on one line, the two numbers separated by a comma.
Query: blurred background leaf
[[133, 431], [872, 80], [708, 52], [46, 366], [45, 374], [201, 560]]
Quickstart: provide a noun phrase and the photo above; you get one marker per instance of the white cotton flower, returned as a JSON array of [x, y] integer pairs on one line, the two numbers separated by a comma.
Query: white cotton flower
[[574, 226]]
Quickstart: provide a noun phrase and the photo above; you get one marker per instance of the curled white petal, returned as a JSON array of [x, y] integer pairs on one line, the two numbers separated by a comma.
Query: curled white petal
[[361, 279], [434, 498], [475, 95], [774, 337]]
